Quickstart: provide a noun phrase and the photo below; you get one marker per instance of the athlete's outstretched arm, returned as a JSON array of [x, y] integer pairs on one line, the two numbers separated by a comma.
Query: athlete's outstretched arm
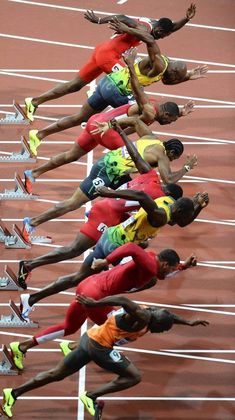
[[130, 307], [145, 106], [201, 200], [166, 173], [93, 18], [190, 13], [142, 166], [156, 216], [192, 323]]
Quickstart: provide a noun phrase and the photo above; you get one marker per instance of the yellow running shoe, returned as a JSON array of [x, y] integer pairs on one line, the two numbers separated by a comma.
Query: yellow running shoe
[[64, 346], [8, 402], [34, 141], [17, 355], [89, 403], [29, 108]]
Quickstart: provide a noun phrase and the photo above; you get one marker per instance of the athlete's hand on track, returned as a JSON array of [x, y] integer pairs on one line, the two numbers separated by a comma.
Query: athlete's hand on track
[[203, 199], [187, 108], [99, 263], [199, 322], [191, 261], [129, 56], [191, 161], [101, 127], [117, 26], [90, 15], [191, 11], [85, 300], [104, 191], [198, 72]]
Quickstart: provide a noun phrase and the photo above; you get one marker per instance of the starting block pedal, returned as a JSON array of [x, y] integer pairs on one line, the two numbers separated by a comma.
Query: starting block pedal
[[19, 193], [7, 366], [15, 320], [15, 240], [10, 281], [24, 156], [19, 117]]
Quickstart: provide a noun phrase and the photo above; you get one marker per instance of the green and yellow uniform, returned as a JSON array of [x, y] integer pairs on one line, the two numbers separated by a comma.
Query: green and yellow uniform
[[118, 162], [137, 227], [121, 78]]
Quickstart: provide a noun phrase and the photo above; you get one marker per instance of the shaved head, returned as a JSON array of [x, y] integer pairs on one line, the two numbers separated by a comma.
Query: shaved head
[[176, 71]]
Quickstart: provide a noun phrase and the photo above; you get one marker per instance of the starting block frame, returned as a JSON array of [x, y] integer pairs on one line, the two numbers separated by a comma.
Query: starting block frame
[[7, 366], [15, 320], [10, 281], [18, 118], [25, 155], [19, 193], [15, 240]]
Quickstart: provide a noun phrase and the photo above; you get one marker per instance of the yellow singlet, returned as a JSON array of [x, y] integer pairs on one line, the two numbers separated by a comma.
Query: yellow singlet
[[137, 227]]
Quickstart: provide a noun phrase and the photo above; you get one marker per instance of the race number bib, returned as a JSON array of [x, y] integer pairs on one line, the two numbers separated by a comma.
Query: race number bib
[[115, 355], [98, 182], [102, 227], [117, 67]]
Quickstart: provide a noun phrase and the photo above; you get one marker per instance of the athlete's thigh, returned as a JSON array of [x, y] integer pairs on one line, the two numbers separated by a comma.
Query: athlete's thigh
[[109, 359], [97, 178], [78, 357]]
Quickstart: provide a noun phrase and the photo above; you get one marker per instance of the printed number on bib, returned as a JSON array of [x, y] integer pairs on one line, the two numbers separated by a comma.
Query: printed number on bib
[[102, 227], [115, 356], [117, 67], [98, 182]]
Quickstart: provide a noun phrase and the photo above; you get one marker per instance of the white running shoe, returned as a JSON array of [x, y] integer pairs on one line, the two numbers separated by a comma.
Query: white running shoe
[[25, 308]]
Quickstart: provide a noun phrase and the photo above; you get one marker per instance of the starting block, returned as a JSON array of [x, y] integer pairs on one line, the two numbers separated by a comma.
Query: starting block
[[15, 320], [19, 193], [16, 240], [10, 281], [7, 366], [24, 156], [18, 118]]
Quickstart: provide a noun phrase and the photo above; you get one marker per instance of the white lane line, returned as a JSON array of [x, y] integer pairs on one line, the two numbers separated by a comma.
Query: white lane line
[[184, 136], [76, 70], [88, 47], [76, 9], [186, 308], [80, 106], [168, 95], [121, 399]]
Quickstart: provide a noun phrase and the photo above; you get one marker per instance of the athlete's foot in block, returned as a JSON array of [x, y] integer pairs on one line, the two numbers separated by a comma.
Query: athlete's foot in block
[[27, 229], [34, 141], [23, 275], [25, 307], [8, 402], [29, 180], [30, 108]]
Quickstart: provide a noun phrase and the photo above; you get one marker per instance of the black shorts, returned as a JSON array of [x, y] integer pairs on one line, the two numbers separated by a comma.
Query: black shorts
[[98, 178], [105, 357]]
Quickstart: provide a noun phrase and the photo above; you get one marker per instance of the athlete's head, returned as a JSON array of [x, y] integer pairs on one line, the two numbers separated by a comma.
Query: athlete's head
[[174, 190], [162, 28], [161, 320], [167, 113], [168, 261], [174, 148], [176, 72], [182, 211]]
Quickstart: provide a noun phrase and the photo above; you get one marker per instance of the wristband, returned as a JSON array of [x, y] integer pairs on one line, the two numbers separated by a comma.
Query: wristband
[[99, 21], [187, 168]]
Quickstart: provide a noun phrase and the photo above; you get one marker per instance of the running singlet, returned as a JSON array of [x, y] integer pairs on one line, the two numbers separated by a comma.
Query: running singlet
[[121, 78], [109, 334], [119, 163], [137, 228], [122, 42]]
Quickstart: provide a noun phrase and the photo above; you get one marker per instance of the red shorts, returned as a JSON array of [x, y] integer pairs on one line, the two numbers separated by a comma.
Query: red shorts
[[99, 221], [102, 60], [110, 140]]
